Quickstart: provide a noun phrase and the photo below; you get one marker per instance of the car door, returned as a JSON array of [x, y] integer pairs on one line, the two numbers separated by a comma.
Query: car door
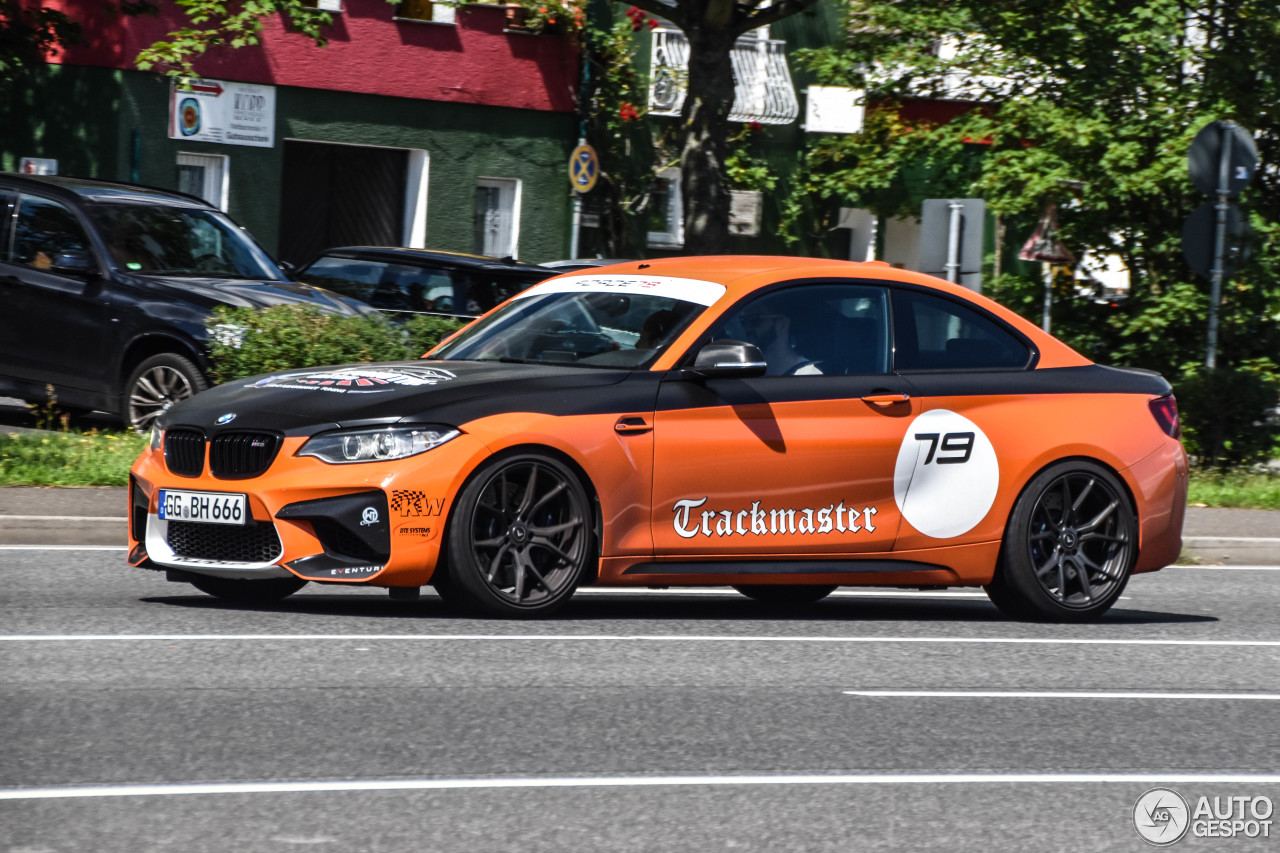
[[54, 299], [799, 461]]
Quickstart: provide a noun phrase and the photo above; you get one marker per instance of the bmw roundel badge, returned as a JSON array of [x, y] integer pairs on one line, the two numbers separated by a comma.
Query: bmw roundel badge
[[225, 419]]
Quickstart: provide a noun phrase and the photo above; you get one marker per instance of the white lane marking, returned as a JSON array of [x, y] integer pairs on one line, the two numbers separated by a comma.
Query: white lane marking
[[725, 591], [1053, 694], [1231, 568], [644, 638], [64, 547], [178, 789], [1262, 540], [4, 517]]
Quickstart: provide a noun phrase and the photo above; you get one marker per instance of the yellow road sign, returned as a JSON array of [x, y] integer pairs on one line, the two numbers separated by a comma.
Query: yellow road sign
[[584, 168]]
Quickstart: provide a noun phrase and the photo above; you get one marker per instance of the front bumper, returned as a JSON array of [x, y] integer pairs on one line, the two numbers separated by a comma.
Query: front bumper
[[379, 522]]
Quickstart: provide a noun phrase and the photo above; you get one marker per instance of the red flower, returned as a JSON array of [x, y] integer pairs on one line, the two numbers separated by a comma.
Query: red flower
[[755, 126], [626, 112], [653, 23], [636, 12]]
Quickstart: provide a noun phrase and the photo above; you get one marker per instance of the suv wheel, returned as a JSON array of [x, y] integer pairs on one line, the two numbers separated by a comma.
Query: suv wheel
[[156, 384]]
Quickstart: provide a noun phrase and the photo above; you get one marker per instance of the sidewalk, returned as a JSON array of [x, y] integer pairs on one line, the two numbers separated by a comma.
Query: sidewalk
[[53, 516]]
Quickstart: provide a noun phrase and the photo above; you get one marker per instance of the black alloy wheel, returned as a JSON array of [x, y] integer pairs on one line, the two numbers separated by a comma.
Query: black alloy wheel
[[248, 591], [156, 385], [786, 595], [1069, 547], [520, 538]]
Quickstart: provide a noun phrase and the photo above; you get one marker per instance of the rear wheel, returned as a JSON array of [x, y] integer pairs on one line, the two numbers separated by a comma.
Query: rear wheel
[[248, 591], [1069, 546], [520, 538], [156, 384], [786, 594]]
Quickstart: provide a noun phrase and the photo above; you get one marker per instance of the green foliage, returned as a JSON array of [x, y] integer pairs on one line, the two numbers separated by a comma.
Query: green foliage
[[69, 459], [247, 341], [1257, 489], [215, 23], [1224, 413]]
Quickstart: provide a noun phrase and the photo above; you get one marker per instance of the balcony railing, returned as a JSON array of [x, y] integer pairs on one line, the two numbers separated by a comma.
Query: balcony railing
[[764, 91]]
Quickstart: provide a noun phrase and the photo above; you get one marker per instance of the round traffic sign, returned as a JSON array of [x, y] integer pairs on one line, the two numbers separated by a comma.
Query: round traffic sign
[[584, 168], [1198, 234], [1204, 159]]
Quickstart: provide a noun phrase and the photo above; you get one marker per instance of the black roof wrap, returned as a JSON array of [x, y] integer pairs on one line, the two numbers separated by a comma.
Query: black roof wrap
[[309, 400]]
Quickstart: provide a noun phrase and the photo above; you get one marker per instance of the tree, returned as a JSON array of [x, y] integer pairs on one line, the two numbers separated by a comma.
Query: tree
[[712, 27], [1090, 104]]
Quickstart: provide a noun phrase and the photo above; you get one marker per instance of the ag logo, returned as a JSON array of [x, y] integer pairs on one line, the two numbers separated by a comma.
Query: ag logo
[[1161, 817], [947, 474]]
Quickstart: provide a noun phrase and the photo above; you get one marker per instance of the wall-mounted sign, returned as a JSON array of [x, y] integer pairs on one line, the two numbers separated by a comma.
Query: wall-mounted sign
[[225, 112]]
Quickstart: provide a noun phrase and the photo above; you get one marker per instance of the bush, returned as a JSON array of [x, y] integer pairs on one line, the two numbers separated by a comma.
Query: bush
[[1224, 415], [247, 341]]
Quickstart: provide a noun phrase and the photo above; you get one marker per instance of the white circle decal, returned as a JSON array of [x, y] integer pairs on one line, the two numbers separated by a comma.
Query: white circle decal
[[947, 474]]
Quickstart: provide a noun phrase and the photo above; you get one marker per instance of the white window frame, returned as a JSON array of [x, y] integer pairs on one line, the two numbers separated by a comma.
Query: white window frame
[[217, 180], [673, 236], [509, 197]]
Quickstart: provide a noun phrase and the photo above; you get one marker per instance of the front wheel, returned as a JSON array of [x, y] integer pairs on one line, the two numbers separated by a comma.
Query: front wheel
[[248, 591], [520, 537], [1069, 547], [156, 384]]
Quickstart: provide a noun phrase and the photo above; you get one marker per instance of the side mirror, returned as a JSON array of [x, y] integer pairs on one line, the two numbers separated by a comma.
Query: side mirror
[[74, 261], [728, 360]]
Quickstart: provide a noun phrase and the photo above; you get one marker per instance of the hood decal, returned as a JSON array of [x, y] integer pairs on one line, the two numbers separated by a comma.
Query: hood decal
[[356, 380]]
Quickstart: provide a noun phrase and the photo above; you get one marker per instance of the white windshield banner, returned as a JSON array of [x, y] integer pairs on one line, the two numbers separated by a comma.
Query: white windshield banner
[[686, 289]]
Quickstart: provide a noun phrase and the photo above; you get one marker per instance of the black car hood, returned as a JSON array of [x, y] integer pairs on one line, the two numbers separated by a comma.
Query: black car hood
[[246, 293], [308, 400]]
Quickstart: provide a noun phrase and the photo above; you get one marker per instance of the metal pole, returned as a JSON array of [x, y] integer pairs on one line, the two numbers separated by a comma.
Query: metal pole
[[953, 242], [1219, 241], [1046, 272], [577, 216]]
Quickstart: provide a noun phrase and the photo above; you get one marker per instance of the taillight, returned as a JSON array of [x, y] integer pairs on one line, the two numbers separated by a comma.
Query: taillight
[[1165, 411]]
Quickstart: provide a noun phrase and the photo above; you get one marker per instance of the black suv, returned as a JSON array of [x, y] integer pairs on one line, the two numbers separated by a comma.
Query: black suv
[[422, 281], [105, 289]]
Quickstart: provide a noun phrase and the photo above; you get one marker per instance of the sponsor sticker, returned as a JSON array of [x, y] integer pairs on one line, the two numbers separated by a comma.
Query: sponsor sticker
[[418, 530], [357, 380], [410, 503], [690, 520], [685, 289], [946, 476]]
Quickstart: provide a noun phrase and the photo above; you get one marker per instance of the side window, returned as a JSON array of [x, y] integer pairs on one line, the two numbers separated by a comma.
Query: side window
[[45, 230], [497, 220], [933, 333], [832, 329]]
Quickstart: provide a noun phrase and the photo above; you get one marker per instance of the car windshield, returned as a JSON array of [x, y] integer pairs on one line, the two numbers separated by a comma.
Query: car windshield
[[557, 323], [155, 239]]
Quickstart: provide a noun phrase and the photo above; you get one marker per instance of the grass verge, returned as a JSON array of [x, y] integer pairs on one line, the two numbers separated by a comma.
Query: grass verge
[[103, 459], [68, 459]]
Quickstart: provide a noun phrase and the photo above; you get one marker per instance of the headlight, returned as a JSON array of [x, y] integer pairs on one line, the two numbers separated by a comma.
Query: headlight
[[375, 445], [157, 437]]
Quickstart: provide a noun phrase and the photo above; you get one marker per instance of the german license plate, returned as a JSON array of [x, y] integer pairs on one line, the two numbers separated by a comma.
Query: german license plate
[[204, 507]]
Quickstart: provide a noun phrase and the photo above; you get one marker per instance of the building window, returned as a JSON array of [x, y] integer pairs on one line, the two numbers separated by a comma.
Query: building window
[[426, 10], [204, 175], [497, 217], [324, 5], [666, 211]]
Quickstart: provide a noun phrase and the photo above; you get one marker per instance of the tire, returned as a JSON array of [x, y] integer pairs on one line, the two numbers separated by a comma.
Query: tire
[[520, 538], [1069, 547], [248, 591], [786, 595], [156, 384]]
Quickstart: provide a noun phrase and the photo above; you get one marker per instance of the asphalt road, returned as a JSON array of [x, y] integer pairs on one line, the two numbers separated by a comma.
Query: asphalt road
[[137, 715]]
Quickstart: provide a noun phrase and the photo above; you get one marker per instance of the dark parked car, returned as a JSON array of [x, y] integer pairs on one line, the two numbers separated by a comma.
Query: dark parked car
[[106, 289], [422, 281]]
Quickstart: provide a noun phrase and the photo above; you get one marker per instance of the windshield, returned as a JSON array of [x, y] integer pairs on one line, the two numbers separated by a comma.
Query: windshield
[[580, 322], [160, 240]]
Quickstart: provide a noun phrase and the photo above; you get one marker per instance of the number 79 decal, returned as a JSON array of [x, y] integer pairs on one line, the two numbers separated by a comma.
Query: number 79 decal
[[952, 443], [946, 478]]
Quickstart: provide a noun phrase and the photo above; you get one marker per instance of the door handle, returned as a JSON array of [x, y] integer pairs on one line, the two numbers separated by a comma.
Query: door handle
[[886, 399], [632, 423]]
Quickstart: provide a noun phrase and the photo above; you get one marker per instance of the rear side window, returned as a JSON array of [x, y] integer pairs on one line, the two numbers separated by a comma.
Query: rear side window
[[933, 333], [44, 230], [8, 198]]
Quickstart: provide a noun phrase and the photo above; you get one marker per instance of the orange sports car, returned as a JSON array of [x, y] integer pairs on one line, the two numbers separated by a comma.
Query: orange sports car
[[783, 426]]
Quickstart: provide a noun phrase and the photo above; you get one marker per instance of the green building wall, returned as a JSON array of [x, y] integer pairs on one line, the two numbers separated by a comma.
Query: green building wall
[[112, 125]]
